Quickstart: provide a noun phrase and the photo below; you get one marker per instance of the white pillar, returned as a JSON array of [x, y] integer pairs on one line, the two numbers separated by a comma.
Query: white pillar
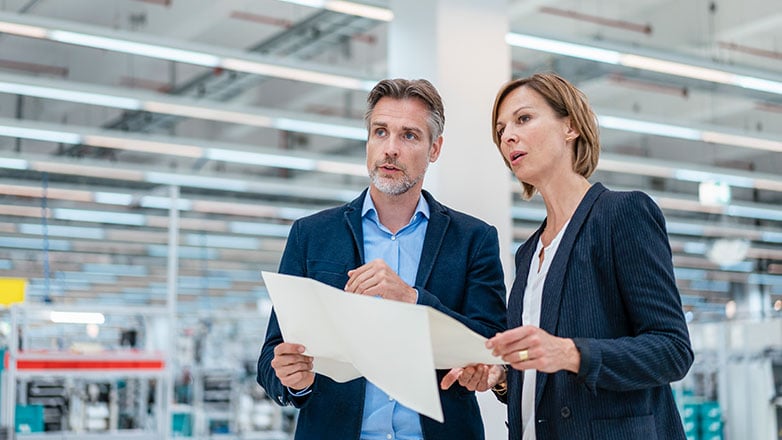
[[459, 45]]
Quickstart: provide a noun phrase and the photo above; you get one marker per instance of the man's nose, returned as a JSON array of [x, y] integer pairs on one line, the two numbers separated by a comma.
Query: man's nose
[[392, 147]]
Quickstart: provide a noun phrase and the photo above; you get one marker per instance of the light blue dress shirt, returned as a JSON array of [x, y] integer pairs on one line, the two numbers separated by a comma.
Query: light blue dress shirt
[[385, 418]]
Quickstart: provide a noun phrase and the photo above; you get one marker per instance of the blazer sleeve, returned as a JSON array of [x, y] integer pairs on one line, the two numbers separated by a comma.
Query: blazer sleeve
[[292, 263], [658, 349], [483, 305]]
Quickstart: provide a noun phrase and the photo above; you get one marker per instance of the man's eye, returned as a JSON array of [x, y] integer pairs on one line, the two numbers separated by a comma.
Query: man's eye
[[410, 136], [380, 132]]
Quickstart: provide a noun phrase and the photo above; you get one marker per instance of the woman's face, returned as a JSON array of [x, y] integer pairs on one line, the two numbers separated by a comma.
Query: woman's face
[[534, 140]]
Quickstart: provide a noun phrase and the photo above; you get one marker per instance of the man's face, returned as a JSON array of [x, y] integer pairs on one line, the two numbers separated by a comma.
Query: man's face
[[399, 148]]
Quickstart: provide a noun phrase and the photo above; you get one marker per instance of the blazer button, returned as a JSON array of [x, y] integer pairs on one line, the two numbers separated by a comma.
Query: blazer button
[[564, 412]]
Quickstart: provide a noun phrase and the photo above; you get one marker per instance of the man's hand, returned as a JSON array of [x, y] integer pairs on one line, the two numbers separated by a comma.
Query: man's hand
[[377, 279], [478, 377], [292, 367]]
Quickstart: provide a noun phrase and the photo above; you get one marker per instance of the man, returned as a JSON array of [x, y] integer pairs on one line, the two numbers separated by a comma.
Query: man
[[395, 241]]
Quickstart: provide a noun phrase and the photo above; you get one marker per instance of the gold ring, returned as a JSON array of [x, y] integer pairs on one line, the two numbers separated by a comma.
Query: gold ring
[[523, 355]]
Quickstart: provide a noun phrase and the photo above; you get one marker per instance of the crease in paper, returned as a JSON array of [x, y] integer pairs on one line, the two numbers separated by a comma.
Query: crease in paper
[[394, 345]]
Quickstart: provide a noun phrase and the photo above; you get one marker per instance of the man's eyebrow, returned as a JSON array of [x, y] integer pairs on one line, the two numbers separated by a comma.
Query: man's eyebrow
[[415, 129]]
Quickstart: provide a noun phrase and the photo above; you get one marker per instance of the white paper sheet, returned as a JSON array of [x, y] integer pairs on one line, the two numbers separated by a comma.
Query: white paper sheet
[[395, 345]]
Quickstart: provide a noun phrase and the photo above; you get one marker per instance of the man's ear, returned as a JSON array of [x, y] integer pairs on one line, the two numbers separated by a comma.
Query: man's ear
[[435, 149]]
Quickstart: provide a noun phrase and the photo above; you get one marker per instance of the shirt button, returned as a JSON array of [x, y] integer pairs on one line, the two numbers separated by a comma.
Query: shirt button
[[389, 436], [393, 238], [390, 399], [564, 412]]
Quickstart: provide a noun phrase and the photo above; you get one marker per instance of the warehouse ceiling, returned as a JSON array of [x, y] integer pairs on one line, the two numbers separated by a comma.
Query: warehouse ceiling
[[253, 111]]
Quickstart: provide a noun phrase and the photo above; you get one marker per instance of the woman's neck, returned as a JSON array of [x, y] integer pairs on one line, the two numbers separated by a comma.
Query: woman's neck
[[561, 202]]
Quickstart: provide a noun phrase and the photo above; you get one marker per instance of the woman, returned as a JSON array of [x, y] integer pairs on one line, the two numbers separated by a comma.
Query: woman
[[597, 331]]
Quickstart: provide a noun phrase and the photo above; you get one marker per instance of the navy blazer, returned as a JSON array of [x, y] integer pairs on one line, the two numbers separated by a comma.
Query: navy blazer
[[459, 274], [612, 290]]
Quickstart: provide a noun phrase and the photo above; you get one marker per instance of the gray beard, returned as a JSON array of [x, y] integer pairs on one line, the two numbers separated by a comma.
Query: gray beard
[[393, 187]]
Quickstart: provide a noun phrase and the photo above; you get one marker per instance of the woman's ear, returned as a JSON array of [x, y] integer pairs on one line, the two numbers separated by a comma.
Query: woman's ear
[[570, 132]]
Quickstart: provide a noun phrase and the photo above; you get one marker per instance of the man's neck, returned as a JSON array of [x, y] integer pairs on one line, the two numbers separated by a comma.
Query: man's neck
[[395, 212]]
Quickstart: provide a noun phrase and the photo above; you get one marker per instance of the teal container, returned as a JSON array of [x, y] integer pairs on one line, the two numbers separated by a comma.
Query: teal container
[[710, 411], [182, 425], [29, 418]]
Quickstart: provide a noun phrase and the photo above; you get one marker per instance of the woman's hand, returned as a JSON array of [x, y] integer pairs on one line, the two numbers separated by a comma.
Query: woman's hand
[[530, 348]]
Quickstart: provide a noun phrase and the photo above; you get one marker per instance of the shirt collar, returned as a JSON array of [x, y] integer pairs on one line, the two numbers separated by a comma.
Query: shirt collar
[[369, 207]]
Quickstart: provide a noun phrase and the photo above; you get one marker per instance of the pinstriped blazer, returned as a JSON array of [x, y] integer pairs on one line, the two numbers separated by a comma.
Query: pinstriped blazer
[[611, 289]]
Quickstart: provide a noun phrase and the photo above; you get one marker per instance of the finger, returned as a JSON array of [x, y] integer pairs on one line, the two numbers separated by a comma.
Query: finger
[[472, 381], [368, 284], [288, 348], [450, 378], [510, 341], [517, 356], [356, 277]]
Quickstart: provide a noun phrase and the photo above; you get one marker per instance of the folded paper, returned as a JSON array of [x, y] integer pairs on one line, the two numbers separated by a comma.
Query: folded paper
[[395, 345]]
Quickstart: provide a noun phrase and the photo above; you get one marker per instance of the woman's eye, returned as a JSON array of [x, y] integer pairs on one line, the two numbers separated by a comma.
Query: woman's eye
[[500, 132], [524, 118]]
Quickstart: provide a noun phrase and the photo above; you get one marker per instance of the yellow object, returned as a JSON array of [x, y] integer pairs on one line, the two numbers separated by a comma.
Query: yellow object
[[12, 290]]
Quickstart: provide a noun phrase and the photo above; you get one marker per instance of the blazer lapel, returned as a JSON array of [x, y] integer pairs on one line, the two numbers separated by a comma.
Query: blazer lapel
[[523, 262], [353, 219], [433, 241], [552, 289]]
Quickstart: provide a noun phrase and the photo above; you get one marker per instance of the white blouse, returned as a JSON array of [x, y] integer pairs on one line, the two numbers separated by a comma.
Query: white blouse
[[533, 299]]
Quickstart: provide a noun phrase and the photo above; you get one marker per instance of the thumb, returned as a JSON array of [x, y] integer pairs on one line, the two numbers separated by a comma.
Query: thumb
[[450, 378]]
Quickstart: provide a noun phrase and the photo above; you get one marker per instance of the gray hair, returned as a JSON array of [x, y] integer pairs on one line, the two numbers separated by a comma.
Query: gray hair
[[406, 89]]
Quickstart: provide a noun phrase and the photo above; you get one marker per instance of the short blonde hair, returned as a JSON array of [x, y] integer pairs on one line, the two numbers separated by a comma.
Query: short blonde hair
[[568, 102]]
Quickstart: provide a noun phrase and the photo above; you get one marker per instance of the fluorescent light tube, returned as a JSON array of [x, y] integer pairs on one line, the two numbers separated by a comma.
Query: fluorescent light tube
[[296, 74], [269, 160], [637, 61], [341, 131], [646, 127], [40, 135], [113, 198], [262, 229], [84, 215], [63, 231], [77, 318], [353, 169], [116, 269], [563, 48], [146, 146], [70, 95], [208, 113], [703, 176], [222, 241], [360, 10], [349, 8], [675, 68], [13, 164], [132, 47], [197, 181], [159, 202], [741, 141]]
